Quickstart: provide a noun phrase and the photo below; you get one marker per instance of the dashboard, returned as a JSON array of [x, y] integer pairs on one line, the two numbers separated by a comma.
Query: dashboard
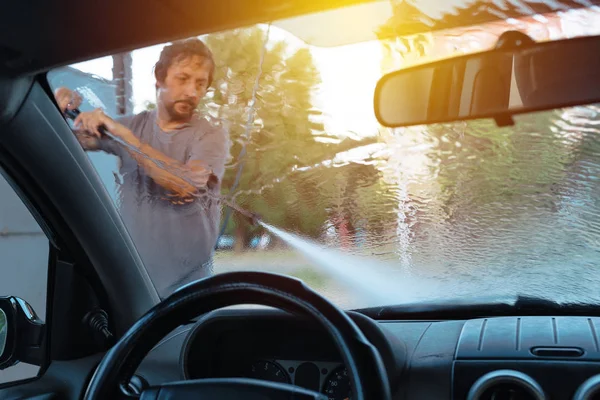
[[517, 358]]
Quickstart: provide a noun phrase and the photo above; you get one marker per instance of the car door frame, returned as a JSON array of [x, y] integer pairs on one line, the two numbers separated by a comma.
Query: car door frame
[[92, 257]]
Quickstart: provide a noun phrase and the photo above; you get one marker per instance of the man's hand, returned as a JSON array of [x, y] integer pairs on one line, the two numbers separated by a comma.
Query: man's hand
[[91, 121], [67, 99]]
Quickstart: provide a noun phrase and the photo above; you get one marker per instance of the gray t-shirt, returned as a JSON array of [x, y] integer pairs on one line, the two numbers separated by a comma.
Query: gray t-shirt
[[175, 239]]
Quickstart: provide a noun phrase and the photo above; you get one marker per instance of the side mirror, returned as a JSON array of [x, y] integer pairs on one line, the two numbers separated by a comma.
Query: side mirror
[[3, 332], [22, 333]]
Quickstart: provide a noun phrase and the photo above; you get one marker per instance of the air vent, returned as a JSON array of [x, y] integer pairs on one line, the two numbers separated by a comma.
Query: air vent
[[589, 390], [506, 384]]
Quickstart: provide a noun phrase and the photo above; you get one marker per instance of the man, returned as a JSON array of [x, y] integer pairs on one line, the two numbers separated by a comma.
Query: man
[[172, 163]]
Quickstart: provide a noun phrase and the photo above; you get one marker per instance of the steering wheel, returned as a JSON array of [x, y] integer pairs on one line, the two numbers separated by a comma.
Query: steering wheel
[[368, 379]]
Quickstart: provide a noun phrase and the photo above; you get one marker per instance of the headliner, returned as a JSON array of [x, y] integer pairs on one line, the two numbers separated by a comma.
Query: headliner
[[40, 35]]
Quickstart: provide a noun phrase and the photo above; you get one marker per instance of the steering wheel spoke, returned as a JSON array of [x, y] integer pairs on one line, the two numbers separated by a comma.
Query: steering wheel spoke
[[229, 388]]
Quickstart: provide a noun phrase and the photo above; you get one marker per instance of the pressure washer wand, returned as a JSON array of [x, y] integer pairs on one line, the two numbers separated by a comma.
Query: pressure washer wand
[[253, 218]]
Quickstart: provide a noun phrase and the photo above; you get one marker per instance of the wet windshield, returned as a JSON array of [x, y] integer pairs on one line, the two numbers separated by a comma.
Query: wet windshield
[[250, 149]]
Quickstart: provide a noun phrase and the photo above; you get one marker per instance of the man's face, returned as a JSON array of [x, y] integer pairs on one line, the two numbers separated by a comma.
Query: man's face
[[184, 86]]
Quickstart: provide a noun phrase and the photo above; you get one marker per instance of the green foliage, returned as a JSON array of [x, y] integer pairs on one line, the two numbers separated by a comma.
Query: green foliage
[[479, 163], [274, 124], [281, 180]]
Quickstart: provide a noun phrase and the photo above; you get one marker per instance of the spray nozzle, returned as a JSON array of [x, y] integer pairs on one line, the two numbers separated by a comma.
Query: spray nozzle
[[254, 218], [72, 113]]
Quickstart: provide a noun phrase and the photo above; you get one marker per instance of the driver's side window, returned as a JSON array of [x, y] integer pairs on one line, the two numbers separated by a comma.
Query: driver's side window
[[24, 251]]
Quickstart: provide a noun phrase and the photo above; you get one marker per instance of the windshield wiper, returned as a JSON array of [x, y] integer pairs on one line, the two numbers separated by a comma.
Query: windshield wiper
[[466, 309]]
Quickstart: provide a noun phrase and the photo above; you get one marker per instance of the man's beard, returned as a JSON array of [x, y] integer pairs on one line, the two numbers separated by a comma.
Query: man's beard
[[178, 116]]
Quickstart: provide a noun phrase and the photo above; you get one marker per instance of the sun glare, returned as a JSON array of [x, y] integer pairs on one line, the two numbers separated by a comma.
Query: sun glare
[[349, 75]]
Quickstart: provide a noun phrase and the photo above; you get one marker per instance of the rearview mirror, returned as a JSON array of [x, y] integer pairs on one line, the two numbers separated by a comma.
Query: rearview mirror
[[519, 76], [21, 333]]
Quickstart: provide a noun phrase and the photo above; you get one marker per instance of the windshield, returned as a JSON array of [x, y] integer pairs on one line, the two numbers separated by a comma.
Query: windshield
[[292, 174]]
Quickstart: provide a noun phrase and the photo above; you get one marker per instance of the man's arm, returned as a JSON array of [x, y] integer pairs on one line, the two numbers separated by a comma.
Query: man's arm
[[184, 180], [87, 141]]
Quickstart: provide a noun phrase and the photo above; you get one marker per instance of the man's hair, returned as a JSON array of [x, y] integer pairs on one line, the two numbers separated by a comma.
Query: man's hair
[[179, 51]]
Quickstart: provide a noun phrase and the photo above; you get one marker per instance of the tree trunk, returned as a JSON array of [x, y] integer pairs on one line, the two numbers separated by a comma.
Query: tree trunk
[[240, 240], [122, 76]]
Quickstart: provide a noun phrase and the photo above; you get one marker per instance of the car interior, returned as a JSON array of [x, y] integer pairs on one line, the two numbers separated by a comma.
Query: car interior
[[107, 334]]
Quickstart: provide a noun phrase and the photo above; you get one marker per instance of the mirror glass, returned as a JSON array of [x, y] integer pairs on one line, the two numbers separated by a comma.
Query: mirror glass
[[3, 331], [540, 76]]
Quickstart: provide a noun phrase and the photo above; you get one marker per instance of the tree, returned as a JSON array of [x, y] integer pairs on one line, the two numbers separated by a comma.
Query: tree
[[274, 126], [508, 166], [408, 19], [266, 106]]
